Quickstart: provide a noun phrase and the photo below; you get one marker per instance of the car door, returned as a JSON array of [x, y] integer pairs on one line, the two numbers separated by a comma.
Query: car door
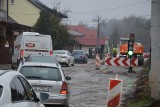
[[30, 93], [20, 97]]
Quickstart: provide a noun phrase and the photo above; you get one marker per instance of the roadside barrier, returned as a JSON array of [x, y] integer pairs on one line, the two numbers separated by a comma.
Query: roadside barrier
[[114, 92], [121, 61]]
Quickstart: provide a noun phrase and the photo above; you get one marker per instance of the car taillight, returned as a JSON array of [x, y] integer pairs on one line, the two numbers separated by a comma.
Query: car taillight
[[51, 52], [64, 89]]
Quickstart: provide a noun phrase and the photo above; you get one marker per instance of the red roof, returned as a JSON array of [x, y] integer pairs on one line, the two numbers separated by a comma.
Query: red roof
[[90, 35]]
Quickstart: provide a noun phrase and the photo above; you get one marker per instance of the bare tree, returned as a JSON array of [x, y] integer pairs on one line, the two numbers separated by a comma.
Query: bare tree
[[120, 28]]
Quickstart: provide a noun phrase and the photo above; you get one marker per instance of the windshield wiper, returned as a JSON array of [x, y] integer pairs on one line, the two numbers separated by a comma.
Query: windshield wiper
[[32, 77]]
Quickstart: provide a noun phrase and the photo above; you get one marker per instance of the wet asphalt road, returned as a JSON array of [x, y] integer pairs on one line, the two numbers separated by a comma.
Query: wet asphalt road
[[89, 87]]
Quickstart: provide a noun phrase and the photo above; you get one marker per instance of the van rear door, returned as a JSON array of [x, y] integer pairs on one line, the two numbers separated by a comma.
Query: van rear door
[[37, 45]]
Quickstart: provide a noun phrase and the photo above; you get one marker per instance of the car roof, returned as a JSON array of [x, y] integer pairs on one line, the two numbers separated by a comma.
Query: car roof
[[41, 55], [32, 56], [9, 74], [40, 64]]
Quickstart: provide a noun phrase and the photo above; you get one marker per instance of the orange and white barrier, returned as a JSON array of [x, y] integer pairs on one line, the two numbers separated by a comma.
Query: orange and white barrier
[[114, 92], [97, 62], [121, 61]]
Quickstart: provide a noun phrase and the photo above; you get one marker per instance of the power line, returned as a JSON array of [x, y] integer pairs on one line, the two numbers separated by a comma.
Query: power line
[[111, 8], [91, 21]]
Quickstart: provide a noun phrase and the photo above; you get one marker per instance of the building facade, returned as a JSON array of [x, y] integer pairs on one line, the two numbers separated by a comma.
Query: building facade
[[17, 16]]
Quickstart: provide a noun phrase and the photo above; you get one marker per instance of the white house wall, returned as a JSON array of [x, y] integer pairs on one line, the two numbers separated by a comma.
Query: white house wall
[[86, 48]]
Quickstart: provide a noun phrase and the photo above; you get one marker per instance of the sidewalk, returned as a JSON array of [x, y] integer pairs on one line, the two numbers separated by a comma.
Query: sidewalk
[[5, 66]]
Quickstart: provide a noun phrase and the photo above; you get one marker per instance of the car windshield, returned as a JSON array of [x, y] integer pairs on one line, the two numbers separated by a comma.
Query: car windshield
[[41, 72], [59, 52], [78, 52], [1, 90], [42, 59]]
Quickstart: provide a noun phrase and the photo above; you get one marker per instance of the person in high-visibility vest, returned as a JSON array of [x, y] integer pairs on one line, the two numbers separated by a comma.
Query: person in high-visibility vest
[[114, 51]]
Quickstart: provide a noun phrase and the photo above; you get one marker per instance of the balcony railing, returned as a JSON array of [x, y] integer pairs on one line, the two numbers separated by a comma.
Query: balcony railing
[[3, 15]]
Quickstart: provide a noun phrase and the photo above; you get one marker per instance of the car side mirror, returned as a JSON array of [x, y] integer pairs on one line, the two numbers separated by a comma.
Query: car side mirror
[[44, 96], [68, 78]]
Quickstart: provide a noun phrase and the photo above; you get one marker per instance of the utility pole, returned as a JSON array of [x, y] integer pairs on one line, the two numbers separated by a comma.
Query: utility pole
[[154, 74], [97, 43], [98, 28]]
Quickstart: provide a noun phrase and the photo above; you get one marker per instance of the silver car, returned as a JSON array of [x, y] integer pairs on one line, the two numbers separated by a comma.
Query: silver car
[[42, 58], [15, 91], [48, 78], [64, 57]]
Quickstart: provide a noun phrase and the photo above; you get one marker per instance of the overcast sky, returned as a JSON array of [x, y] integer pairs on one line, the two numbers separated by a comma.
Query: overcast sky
[[87, 10]]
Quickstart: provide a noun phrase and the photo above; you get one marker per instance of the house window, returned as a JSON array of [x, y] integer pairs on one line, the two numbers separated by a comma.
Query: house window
[[11, 1]]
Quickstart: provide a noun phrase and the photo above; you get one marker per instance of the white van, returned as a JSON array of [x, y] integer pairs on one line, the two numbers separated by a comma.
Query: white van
[[29, 43]]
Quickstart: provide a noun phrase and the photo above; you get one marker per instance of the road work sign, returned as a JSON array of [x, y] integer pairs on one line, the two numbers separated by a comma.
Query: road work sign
[[114, 92], [120, 61]]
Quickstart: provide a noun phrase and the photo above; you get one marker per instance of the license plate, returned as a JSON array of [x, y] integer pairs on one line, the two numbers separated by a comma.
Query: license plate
[[41, 88]]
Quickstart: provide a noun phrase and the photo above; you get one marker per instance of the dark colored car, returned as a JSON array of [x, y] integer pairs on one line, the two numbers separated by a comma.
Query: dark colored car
[[80, 56]]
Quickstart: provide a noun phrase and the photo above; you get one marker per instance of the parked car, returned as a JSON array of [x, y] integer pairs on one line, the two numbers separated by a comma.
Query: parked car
[[15, 91], [48, 78], [80, 56], [64, 57]]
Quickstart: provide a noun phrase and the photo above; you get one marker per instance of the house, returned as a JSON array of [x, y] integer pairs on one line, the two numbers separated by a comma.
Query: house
[[89, 41], [73, 43], [27, 12], [8, 29]]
